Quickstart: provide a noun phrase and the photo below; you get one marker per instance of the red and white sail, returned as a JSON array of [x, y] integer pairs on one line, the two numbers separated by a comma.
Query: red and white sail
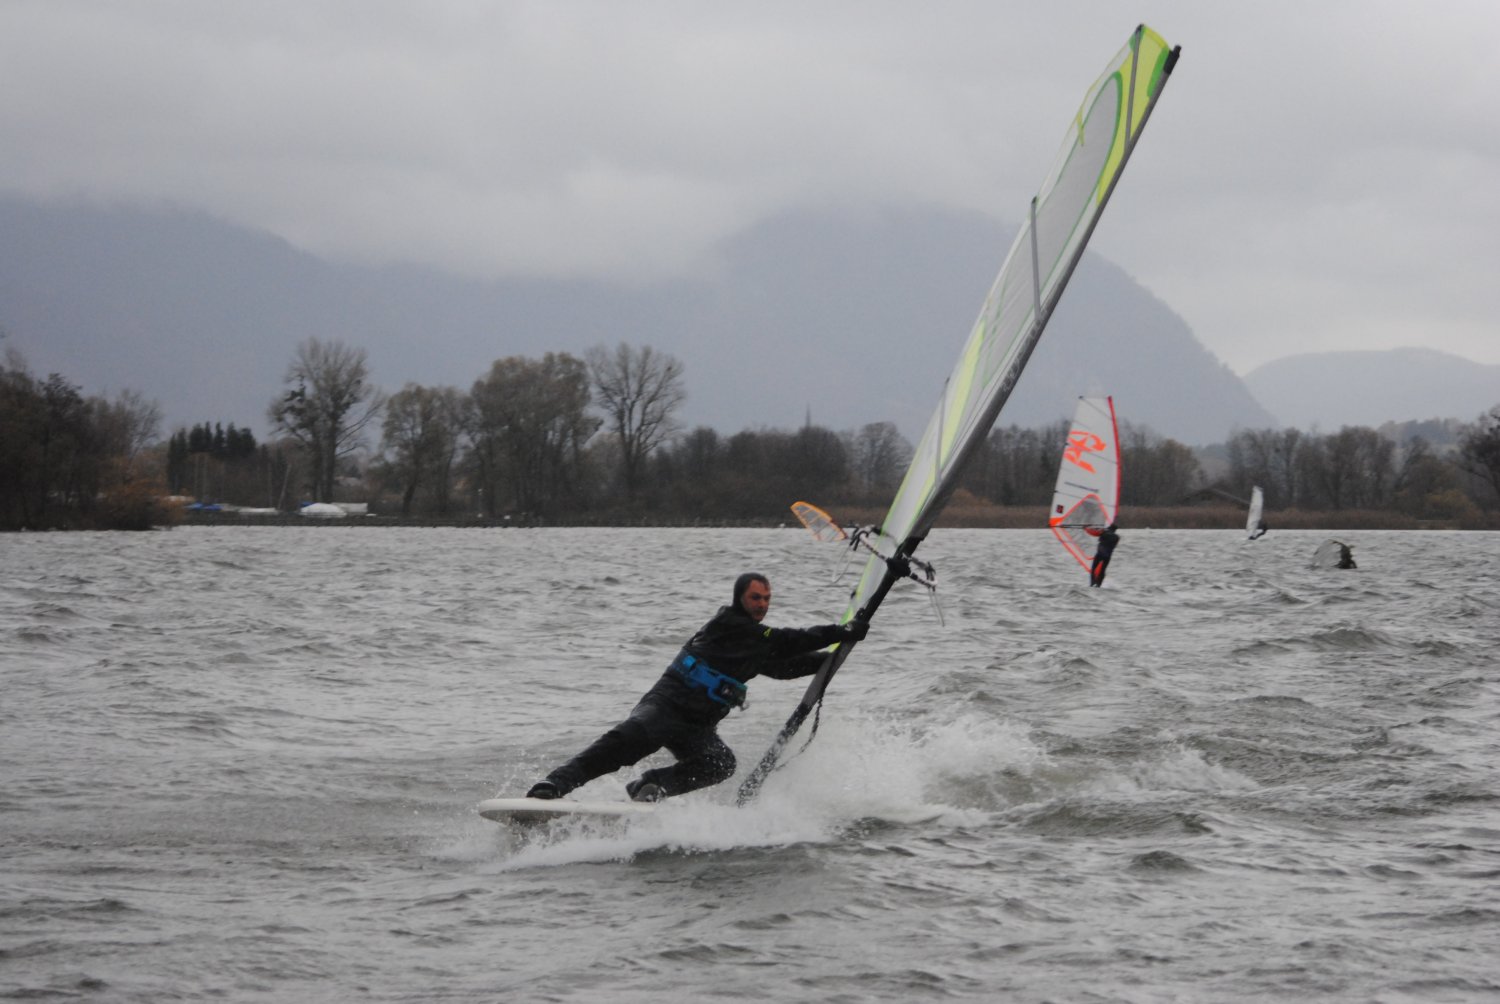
[[1087, 495]]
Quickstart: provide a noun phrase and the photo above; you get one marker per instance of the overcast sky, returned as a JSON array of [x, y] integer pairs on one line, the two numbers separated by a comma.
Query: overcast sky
[[1318, 176]]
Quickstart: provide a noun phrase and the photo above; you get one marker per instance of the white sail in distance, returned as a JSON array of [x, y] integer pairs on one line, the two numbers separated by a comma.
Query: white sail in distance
[[1257, 507]]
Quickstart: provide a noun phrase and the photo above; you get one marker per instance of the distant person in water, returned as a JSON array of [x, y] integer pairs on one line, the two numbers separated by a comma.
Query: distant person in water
[[1260, 530], [682, 711], [1346, 556], [1108, 538]]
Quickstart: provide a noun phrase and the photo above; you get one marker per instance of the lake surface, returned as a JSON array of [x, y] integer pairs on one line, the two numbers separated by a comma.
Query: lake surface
[[241, 764]]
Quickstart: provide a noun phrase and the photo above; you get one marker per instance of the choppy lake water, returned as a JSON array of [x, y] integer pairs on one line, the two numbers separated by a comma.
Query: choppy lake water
[[241, 764]]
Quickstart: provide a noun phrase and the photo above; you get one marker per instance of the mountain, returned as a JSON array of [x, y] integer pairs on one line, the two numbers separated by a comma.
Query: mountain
[[847, 319], [1329, 390]]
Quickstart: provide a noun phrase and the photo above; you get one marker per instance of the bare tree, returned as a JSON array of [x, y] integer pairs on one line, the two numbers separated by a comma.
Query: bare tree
[[1284, 466], [1479, 452], [1357, 467], [880, 454], [129, 423], [1252, 461], [697, 472], [1427, 486], [639, 391], [422, 430], [1160, 470], [330, 403], [814, 463], [1017, 466], [529, 425]]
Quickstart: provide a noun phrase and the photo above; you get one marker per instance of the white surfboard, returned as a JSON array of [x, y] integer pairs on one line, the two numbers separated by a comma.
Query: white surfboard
[[537, 810]]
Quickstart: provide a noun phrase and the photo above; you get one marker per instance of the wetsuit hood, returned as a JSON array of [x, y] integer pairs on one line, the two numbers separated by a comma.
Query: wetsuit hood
[[741, 584]]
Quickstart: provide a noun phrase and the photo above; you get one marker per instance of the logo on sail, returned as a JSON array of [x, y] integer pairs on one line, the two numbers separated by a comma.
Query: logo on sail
[[1079, 443]]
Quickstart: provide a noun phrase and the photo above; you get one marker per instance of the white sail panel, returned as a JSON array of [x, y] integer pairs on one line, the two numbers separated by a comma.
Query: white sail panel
[[1257, 507]]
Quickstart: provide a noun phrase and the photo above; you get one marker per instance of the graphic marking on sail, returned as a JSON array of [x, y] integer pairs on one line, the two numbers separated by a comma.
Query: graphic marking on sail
[[1087, 493], [1061, 218]]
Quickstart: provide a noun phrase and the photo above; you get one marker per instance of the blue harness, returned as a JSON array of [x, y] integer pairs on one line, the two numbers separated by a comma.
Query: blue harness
[[720, 688]]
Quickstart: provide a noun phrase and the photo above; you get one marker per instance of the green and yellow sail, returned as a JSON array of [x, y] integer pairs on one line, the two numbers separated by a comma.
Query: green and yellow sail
[[1036, 270]]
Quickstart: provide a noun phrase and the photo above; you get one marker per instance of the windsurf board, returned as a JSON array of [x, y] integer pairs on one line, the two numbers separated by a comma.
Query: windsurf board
[[538, 810]]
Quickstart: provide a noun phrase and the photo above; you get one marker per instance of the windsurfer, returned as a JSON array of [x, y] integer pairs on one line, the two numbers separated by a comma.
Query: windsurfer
[[1260, 529], [682, 711], [1346, 556], [1108, 538]]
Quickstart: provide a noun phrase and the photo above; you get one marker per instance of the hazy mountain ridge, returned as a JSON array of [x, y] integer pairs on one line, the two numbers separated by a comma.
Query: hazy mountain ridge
[[850, 319], [1327, 390]]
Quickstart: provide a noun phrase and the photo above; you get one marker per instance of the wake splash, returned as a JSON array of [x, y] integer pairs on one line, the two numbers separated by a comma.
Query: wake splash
[[870, 770], [874, 771], [857, 773]]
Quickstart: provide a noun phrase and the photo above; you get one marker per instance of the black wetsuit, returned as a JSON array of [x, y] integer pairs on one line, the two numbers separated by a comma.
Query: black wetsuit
[[682, 716], [1107, 541]]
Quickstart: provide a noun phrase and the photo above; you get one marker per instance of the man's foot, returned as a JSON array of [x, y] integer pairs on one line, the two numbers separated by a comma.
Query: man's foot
[[544, 789], [641, 790]]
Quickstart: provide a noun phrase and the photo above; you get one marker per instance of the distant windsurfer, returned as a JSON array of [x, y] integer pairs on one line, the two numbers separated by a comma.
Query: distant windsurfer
[[1346, 556], [1108, 538], [1260, 530], [682, 711]]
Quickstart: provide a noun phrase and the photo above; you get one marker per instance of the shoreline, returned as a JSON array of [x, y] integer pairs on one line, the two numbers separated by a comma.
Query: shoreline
[[956, 517]]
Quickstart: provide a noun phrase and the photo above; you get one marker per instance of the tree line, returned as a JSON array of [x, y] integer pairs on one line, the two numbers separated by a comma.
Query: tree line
[[598, 439], [67, 459], [1358, 468]]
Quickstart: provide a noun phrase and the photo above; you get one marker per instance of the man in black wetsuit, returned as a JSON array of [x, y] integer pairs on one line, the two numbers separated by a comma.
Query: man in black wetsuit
[[1107, 541], [683, 710]]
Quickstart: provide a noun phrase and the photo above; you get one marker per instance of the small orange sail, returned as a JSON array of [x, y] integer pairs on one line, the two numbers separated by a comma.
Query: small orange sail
[[818, 522]]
